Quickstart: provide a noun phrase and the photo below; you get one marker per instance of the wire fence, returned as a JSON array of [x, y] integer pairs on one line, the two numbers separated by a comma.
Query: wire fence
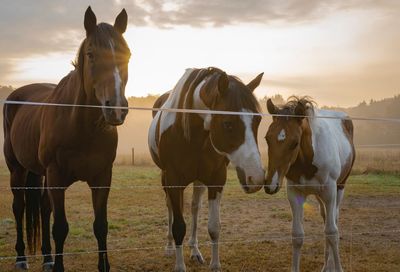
[[225, 242], [196, 111], [147, 186]]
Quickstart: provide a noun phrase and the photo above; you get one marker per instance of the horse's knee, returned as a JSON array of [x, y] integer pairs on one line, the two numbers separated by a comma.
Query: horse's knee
[[297, 240], [332, 235], [60, 230], [100, 228], [214, 227], [178, 230]]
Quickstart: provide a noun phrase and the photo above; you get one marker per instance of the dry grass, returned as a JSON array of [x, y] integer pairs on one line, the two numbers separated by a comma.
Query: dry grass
[[255, 228], [368, 160], [377, 160]]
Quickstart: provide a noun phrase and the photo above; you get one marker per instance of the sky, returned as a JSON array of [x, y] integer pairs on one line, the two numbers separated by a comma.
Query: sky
[[338, 52]]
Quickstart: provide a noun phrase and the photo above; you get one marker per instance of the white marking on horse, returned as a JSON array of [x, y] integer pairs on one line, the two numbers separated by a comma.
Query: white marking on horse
[[117, 77], [167, 119], [247, 156], [274, 182], [198, 103], [214, 226], [331, 146], [282, 135]]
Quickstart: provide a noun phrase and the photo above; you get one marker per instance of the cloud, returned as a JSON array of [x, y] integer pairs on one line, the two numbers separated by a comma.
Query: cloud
[[227, 12], [44, 26]]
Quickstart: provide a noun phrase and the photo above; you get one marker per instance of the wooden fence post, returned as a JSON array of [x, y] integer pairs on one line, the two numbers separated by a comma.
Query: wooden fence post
[[133, 156]]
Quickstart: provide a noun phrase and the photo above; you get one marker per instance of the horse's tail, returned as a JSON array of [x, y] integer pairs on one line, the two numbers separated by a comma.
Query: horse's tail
[[32, 204]]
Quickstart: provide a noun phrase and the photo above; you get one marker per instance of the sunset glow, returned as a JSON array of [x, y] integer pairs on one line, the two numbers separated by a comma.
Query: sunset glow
[[336, 54]]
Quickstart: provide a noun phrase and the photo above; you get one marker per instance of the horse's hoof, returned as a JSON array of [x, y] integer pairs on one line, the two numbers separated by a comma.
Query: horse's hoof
[[21, 265], [47, 267], [169, 251], [197, 257], [215, 267], [180, 268]]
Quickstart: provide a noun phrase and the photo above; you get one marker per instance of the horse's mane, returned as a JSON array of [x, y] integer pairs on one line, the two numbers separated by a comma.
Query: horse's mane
[[293, 101], [238, 98], [100, 38], [186, 99]]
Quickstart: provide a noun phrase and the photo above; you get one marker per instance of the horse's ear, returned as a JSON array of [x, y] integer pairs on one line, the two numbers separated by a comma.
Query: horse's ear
[[272, 109], [255, 82], [223, 83], [300, 110], [90, 21], [121, 21]]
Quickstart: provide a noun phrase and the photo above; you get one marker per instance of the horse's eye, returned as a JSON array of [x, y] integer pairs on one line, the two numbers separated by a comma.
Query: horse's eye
[[227, 125], [90, 55], [293, 145]]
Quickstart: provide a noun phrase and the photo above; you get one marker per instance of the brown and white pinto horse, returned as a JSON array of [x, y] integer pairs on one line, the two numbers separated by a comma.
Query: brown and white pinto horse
[[68, 144], [316, 156], [198, 147]]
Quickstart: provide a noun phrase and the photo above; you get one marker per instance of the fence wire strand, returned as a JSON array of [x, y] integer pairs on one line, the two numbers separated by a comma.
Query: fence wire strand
[[226, 242], [30, 103]]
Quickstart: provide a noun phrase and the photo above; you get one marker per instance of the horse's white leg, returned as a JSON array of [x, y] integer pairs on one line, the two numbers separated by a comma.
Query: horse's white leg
[[296, 201], [195, 254], [214, 226], [339, 198], [170, 247], [329, 196], [321, 208]]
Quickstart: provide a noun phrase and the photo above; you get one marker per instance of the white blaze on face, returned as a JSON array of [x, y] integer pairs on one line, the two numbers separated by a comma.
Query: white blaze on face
[[117, 77], [247, 156], [282, 135], [274, 182]]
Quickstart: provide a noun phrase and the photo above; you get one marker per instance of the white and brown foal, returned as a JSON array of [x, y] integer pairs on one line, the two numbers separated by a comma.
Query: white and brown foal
[[198, 147], [316, 156]]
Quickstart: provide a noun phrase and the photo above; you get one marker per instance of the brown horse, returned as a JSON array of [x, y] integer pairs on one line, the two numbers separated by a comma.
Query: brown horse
[[68, 144], [198, 147]]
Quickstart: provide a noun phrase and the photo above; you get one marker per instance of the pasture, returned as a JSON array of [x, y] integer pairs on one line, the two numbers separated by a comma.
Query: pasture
[[255, 232]]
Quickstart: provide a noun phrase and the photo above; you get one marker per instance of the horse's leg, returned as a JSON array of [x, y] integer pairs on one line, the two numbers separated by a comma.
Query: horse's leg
[[60, 224], [175, 196], [18, 177], [214, 225], [170, 247], [100, 224], [296, 201], [46, 245], [328, 264], [198, 190], [339, 198], [321, 208], [329, 196]]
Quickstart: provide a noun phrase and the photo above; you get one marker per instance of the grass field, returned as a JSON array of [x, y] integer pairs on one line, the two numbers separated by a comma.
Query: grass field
[[255, 232]]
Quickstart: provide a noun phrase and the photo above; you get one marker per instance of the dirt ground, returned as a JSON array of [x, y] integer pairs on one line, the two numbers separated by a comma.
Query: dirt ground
[[255, 232]]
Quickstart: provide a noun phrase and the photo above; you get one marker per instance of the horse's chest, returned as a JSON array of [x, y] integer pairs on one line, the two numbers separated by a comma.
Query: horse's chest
[[87, 159]]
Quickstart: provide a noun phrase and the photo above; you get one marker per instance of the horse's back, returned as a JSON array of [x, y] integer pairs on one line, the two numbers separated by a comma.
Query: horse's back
[[337, 135], [153, 136], [21, 124]]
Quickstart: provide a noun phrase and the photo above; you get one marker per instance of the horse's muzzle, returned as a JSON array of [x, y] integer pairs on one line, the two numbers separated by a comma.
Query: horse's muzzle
[[268, 190], [115, 116]]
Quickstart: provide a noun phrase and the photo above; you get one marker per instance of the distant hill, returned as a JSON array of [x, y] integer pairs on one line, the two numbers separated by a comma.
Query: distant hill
[[376, 132]]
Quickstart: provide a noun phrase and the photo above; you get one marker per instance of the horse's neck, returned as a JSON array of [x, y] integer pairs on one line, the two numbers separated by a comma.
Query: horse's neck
[[303, 166], [71, 91]]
